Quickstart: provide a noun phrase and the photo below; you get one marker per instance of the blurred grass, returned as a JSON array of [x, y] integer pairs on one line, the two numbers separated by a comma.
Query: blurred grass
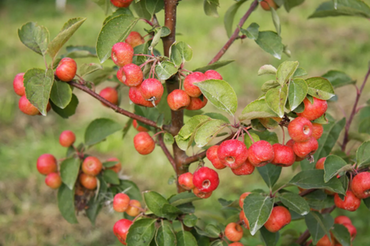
[[28, 210]]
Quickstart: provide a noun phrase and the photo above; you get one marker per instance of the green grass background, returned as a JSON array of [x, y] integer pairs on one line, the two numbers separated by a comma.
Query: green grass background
[[28, 210]]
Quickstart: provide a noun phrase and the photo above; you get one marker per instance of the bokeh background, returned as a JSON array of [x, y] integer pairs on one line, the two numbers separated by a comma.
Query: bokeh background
[[28, 208]]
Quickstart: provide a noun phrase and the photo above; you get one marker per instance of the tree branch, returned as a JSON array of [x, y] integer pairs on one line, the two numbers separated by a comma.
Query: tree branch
[[116, 108], [166, 151], [235, 35], [354, 111]]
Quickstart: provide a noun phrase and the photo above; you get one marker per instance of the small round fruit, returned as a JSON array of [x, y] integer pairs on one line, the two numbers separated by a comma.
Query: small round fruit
[[320, 163], [244, 169], [151, 89], [213, 157], [233, 232], [130, 75], [186, 181], [268, 4], [134, 39], [116, 168], [360, 185], [135, 96], [178, 100], [212, 74], [314, 110], [290, 144], [26, 107], [88, 181], [144, 143], [53, 180], [235, 244], [244, 219], [302, 149], [351, 229], [46, 164], [300, 129], [120, 229], [206, 179], [133, 208], [350, 202], [67, 138], [122, 54], [260, 153], [279, 217], [196, 103], [200, 194], [18, 85], [341, 219], [138, 127], [189, 87], [283, 155], [242, 197], [325, 241], [121, 3], [317, 130], [110, 94], [232, 153], [121, 201], [66, 69], [92, 166]]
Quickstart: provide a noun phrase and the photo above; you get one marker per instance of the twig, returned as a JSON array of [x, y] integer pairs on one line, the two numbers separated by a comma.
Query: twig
[[166, 151], [235, 35]]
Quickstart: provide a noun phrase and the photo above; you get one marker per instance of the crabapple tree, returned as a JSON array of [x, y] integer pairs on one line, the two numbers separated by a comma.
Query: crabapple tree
[[292, 103]]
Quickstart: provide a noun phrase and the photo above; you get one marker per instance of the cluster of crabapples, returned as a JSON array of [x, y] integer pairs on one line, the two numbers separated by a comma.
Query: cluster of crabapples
[[91, 166]]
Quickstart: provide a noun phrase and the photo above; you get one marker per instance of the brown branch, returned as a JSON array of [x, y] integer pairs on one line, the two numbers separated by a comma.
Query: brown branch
[[116, 108], [202, 155], [166, 151], [354, 111], [235, 35]]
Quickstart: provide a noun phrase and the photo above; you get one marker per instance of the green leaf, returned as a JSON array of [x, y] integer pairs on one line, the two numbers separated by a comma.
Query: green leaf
[[106, 5], [342, 7], [217, 116], [183, 143], [110, 176], [61, 94], [99, 75], [185, 238], [300, 72], [110, 163], [318, 225], [314, 179], [165, 70], [67, 111], [367, 202], [363, 127], [270, 137], [214, 66], [295, 203], [289, 4], [69, 28], [88, 68], [190, 220], [182, 198], [319, 200], [160, 32], [218, 242], [208, 131], [94, 207], [362, 154], [267, 69], [141, 232], [34, 37], [220, 94], [276, 99], [130, 188], [212, 230], [269, 238], [191, 125], [114, 31], [66, 204], [270, 174], [165, 235], [257, 109], [38, 83], [99, 129], [154, 6], [248, 141], [77, 51], [257, 209], [171, 212], [341, 234], [69, 170], [180, 52], [252, 31], [141, 10], [168, 138], [333, 165], [320, 87], [155, 202], [229, 16], [271, 43], [210, 7], [338, 78], [275, 20], [297, 92], [285, 71], [271, 84]]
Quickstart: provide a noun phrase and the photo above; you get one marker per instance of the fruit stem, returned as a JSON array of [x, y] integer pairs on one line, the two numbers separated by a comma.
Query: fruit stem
[[249, 135], [354, 111], [235, 35]]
